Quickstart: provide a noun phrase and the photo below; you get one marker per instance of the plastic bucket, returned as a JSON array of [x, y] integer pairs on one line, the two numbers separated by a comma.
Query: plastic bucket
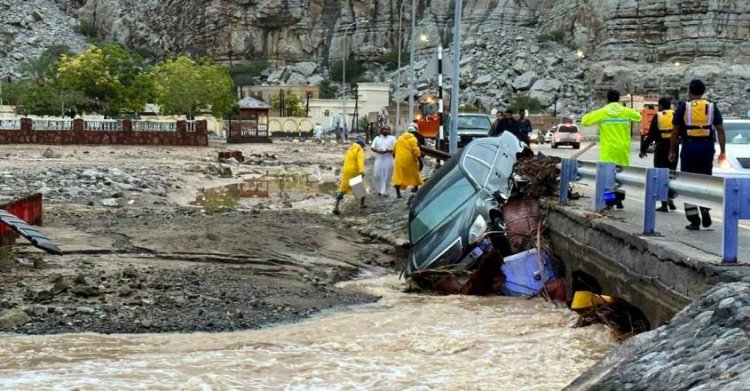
[[358, 186]]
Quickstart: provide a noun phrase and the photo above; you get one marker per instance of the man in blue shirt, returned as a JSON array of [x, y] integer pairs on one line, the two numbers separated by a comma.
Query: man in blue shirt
[[697, 125]]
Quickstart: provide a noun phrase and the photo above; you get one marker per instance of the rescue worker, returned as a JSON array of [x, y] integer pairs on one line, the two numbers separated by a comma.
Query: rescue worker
[[614, 129], [382, 146], [697, 125], [354, 165], [407, 162], [660, 132]]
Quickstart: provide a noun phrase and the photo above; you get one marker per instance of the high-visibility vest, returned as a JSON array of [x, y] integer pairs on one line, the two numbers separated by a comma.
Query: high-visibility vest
[[664, 120], [699, 117]]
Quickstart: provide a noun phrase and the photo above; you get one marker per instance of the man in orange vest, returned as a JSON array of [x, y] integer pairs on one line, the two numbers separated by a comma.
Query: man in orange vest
[[697, 126], [660, 132]]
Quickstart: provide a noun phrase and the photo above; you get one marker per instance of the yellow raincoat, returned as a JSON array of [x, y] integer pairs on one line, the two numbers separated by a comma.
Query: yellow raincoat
[[614, 131], [406, 164], [354, 164]]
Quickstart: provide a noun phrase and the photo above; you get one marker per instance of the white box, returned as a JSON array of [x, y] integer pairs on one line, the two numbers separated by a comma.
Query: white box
[[358, 186]]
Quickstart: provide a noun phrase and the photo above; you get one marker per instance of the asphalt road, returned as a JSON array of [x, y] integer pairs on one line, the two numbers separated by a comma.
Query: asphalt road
[[593, 153]]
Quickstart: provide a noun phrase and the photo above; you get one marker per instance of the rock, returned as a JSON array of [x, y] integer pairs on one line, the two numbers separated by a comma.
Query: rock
[[60, 287], [85, 310], [37, 310], [525, 81], [36, 16], [18, 56], [305, 68], [482, 80], [109, 202], [119, 194], [125, 291], [12, 318], [80, 280], [86, 291], [315, 80], [296, 79], [275, 76], [130, 272], [49, 154]]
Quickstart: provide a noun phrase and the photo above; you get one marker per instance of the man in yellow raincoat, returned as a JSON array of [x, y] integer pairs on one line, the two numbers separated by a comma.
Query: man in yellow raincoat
[[614, 129], [354, 165], [406, 165]]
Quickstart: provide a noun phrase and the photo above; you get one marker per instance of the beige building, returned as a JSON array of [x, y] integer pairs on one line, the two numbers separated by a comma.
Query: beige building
[[373, 98], [266, 92]]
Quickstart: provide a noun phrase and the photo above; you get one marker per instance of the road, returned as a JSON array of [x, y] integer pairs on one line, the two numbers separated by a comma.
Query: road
[[593, 153]]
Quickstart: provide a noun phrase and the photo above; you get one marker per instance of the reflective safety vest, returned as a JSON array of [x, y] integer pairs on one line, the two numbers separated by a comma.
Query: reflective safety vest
[[699, 117], [664, 120]]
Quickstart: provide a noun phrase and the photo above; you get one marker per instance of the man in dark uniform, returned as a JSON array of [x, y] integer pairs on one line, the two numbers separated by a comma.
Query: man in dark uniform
[[507, 122], [697, 125], [660, 132]]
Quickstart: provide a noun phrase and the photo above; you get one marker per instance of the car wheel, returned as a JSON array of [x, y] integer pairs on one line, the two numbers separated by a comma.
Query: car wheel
[[554, 146], [577, 146]]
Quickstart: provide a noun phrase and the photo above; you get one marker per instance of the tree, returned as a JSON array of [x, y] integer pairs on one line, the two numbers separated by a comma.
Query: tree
[[44, 68], [327, 90], [525, 102], [184, 86], [354, 70], [112, 79], [246, 73], [292, 104]]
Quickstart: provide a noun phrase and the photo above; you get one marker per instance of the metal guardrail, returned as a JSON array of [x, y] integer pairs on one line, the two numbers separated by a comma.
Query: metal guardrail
[[732, 195]]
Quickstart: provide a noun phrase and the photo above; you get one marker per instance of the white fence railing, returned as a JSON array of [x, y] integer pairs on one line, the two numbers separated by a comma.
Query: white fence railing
[[41, 124], [190, 126], [102, 125], [10, 124], [154, 126]]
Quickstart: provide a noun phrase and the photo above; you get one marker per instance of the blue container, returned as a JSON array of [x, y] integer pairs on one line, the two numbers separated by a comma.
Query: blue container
[[522, 274]]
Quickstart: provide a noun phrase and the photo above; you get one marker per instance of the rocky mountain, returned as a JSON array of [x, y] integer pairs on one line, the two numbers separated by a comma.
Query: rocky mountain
[[640, 46]]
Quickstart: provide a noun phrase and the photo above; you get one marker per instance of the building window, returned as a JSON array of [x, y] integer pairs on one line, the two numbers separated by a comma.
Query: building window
[[327, 113]]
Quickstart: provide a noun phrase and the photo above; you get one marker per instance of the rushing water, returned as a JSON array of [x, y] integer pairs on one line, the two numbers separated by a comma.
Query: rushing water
[[405, 341]]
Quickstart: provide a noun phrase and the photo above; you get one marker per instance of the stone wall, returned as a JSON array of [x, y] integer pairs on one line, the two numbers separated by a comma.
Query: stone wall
[[126, 136]]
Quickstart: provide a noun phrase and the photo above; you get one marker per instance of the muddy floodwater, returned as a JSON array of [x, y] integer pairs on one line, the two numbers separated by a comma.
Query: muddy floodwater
[[404, 341]]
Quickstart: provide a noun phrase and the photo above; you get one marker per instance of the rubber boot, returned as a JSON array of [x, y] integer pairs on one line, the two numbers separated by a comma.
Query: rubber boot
[[691, 212], [663, 208], [705, 216], [671, 205], [398, 191]]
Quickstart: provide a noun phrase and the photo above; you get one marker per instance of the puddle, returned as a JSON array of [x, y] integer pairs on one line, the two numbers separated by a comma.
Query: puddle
[[285, 187]]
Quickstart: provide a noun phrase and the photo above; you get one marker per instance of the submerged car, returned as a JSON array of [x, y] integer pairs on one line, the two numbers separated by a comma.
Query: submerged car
[[451, 212]]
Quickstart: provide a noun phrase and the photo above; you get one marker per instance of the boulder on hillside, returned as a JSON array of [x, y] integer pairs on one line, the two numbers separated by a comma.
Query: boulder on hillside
[[306, 68]]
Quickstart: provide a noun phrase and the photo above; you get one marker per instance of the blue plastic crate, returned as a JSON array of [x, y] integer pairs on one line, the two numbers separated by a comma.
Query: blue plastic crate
[[522, 274]]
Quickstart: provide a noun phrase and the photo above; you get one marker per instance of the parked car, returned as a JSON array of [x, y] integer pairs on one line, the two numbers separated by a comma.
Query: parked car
[[567, 134], [548, 134], [451, 212], [737, 149], [470, 126], [536, 136]]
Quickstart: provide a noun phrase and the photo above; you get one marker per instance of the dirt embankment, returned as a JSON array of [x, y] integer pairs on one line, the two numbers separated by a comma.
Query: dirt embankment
[[151, 262]]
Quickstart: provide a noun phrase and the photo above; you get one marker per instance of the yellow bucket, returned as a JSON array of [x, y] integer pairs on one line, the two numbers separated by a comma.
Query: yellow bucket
[[584, 300]]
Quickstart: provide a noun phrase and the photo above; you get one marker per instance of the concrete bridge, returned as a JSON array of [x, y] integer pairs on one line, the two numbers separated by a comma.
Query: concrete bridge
[[697, 304]]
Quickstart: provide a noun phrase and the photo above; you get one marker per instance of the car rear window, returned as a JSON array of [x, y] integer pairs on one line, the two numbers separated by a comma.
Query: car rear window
[[568, 129], [737, 132]]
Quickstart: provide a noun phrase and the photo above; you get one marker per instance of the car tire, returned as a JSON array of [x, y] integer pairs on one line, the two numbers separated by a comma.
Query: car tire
[[554, 146], [577, 146]]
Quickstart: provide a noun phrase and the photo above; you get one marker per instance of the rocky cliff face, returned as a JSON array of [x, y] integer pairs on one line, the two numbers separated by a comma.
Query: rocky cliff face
[[629, 44]]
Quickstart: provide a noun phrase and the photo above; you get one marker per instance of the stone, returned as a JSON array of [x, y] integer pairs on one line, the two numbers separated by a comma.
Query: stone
[[296, 79], [125, 291], [482, 80], [13, 318], [524, 81], [546, 85], [305, 68], [315, 80], [109, 202], [275, 76], [86, 291]]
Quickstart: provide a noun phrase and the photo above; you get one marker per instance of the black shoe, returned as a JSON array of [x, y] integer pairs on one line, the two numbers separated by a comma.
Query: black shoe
[[663, 207], [671, 204], [691, 227], [336, 212], [705, 217], [692, 215]]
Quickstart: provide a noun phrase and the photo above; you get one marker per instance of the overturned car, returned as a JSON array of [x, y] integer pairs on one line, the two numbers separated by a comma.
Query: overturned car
[[461, 225]]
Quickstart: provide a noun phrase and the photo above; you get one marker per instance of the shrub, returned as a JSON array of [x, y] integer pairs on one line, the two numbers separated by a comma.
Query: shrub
[[554, 35], [525, 102]]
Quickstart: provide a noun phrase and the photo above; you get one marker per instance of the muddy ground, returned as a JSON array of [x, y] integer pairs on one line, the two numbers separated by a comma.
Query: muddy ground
[[154, 242]]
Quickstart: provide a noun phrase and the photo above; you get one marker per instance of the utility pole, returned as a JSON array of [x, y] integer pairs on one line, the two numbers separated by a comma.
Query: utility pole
[[411, 58], [441, 134], [398, 72], [453, 147]]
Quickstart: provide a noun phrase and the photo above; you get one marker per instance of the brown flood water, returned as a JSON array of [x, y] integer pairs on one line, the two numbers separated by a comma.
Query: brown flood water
[[403, 342]]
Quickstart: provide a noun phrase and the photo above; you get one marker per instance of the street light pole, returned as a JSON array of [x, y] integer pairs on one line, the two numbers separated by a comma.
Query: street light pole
[[398, 70], [453, 147], [411, 58]]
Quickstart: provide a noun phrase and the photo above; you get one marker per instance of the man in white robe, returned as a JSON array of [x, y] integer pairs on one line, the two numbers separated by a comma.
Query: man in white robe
[[382, 147]]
